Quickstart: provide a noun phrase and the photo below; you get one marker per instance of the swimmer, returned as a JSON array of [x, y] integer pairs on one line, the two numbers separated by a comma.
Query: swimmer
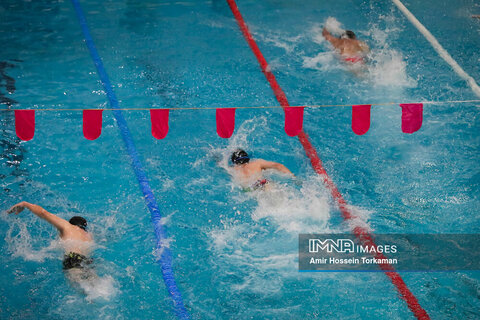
[[351, 50], [250, 173], [75, 237]]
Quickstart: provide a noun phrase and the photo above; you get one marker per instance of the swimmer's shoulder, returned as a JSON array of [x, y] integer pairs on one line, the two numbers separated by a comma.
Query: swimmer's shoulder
[[257, 162], [77, 234]]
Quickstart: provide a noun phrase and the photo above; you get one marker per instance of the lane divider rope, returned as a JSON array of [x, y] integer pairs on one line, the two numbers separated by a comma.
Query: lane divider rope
[[164, 255], [438, 47]]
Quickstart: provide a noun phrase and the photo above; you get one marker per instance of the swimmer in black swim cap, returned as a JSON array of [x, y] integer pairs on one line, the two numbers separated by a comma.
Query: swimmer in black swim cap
[[240, 157], [79, 222], [348, 34]]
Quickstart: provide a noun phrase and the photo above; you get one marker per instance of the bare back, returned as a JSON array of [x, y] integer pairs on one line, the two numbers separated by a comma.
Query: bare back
[[347, 47], [351, 48], [76, 240], [251, 172]]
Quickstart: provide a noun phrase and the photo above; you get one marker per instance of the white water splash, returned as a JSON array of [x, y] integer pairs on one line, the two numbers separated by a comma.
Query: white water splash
[[20, 243], [334, 26], [387, 67]]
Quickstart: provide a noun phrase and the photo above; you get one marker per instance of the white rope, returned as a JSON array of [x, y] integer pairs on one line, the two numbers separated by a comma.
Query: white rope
[[438, 47]]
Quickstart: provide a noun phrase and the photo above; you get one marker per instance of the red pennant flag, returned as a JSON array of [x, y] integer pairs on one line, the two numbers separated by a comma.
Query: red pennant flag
[[159, 119], [293, 120], [25, 124], [225, 122], [361, 119], [92, 124], [412, 117]]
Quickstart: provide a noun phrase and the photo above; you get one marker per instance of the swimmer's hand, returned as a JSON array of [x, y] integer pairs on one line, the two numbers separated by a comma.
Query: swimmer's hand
[[17, 208]]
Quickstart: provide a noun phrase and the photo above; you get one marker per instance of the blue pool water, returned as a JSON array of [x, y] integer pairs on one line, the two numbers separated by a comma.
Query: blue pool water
[[234, 253]]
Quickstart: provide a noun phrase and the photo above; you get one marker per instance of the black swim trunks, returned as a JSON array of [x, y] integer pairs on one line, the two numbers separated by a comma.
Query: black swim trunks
[[75, 260]]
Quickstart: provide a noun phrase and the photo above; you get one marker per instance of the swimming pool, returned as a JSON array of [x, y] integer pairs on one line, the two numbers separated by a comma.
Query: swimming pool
[[235, 256]]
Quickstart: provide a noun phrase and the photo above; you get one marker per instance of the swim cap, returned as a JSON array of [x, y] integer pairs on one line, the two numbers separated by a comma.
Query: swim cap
[[348, 34], [79, 222], [240, 157]]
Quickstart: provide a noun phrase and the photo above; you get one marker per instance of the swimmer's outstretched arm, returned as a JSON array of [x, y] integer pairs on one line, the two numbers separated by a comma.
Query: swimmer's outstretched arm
[[57, 222], [274, 165], [333, 40]]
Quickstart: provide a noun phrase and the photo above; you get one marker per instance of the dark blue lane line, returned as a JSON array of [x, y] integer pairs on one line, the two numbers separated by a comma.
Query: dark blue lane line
[[164, 257]]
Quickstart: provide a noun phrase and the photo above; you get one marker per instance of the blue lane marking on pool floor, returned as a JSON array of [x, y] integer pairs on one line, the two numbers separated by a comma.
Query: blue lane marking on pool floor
[[165, 257]]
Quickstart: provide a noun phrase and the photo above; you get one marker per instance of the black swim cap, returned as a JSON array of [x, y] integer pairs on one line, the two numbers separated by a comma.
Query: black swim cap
[[240, 157], [79, 222], [349, 34]]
